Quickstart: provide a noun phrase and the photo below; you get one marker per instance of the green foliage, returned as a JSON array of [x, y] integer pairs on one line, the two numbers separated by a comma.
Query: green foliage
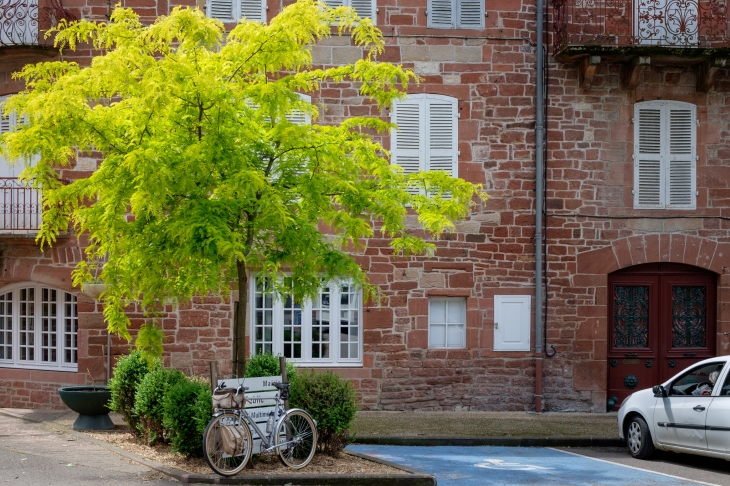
[[129, 371], [148, 403], [202, 176], [331, 401], [187, 409], [268, 365]]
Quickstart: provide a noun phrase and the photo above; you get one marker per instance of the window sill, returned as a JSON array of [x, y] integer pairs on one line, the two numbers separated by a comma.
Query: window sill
[[34, 367], [309, 364]]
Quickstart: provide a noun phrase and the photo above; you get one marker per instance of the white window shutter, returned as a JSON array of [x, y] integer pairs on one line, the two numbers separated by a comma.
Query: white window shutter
[[648, 180], [441, 13], [512, 322], [364, 8], [407, 141], [470, 14], [254, 10], [297, 116], [222, 10], [442, 134], [335, 3], [7, 123], [681, 170]]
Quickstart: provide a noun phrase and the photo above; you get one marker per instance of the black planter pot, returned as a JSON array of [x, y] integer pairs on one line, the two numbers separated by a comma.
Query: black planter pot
[[91, 405]]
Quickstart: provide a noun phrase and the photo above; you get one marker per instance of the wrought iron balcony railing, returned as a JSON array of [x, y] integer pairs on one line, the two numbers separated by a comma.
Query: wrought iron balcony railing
[[630, 23], [20, 207], [24, 22]]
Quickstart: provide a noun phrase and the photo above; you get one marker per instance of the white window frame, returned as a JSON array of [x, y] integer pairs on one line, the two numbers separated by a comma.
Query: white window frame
[[450, 14], [236, 8], [358, 5], [421, 151], [276, 342], [65, 315], [656, 159], [433, 321]]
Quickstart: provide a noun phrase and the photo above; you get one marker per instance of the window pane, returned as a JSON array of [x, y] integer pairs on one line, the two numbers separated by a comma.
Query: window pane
[[6, 326], [437, 311], [437, 336], [263, 317], [26, 329], [456, 311], [320, 325], [455, 337]]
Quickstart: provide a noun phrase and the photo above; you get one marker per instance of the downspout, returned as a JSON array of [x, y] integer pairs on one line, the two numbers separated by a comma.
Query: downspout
[[539, 197]]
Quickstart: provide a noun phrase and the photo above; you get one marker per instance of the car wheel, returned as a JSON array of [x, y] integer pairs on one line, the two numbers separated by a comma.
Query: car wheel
[[638, 439]]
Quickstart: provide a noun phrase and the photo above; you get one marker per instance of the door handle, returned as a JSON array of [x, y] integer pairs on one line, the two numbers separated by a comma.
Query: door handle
[[699, 408]]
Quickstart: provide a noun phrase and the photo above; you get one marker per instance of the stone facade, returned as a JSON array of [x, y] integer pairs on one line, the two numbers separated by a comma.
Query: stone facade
[[591, 226]]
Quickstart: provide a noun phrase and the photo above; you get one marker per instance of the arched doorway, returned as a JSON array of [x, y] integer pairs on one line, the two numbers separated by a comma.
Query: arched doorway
[[661, 319]]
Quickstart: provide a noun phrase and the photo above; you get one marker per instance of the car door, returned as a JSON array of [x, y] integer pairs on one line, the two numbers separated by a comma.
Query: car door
[[718, 418], [680, 417]]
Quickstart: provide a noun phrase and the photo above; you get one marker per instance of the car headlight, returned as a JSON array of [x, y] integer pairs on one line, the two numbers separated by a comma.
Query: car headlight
[[624, 401]]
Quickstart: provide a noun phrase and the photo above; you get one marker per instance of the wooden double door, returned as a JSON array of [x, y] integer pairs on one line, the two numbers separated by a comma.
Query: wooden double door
[[661, 319]]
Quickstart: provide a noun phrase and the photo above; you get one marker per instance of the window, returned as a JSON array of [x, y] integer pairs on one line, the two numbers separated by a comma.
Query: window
[[38, 327], [447, 323], [665, 155], [697, 381], [305, 332], [364, 8], [235, 10], [512, 322], [456, 14], [427, 134]]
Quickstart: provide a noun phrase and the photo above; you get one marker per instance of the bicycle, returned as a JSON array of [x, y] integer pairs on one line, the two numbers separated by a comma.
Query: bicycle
[[294, 435]]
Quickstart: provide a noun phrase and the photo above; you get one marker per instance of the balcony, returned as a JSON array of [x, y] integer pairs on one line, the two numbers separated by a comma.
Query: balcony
[[24, 22], [642, 32], [20, 207]]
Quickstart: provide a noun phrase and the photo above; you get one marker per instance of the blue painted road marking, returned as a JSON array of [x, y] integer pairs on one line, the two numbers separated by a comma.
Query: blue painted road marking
[[481, 466]]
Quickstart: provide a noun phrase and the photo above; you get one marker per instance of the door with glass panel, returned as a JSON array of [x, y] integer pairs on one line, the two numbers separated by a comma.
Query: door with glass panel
[[661, 319]]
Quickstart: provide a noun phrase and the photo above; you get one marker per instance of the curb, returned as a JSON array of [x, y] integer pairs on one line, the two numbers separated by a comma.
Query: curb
[[492, 441], [413, 478]]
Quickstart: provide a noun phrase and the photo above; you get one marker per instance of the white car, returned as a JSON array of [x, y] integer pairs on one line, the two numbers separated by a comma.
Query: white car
[[689, 413]]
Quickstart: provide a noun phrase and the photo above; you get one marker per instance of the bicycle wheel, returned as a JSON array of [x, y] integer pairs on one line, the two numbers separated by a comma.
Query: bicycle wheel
[[218, 460], [296, 439]]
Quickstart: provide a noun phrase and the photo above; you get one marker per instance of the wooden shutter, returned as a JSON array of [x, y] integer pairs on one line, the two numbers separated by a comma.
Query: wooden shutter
[[648, 180], [222, 10], [665, 168], [407, 141], [7, 123], [364, 8], [442, 134], [681, 167], [254, 10], [470, 14], [335, 3], [298, 117], [441, 13]]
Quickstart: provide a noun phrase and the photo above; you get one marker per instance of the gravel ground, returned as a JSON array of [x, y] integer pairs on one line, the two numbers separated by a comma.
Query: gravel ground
[[485, 424], [263, 464]]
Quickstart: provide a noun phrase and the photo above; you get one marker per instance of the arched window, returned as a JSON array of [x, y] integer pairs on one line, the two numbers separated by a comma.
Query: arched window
[[38, 328], [665, 155]]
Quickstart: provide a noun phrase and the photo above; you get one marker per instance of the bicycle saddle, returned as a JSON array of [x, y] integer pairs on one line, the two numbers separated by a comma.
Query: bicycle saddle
[[280, 386]]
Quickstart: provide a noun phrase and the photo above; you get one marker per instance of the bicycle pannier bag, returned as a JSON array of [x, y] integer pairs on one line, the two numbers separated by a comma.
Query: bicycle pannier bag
[[227, 399], [232, 440]]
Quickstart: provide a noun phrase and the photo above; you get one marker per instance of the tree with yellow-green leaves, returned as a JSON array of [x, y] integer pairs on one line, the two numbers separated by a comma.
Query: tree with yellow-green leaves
[[203, 175]]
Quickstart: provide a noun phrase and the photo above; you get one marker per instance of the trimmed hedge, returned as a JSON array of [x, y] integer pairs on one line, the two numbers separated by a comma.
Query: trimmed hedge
[[331, 401], [128, 373], [187, 409], [148, 402], [268, 365]]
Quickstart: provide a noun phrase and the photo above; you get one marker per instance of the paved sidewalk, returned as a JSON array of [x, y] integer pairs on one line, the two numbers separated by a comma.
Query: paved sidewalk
[[36, 439]]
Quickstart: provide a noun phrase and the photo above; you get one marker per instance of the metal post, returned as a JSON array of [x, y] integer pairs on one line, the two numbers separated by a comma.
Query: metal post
[[108, 356], [539, 197]]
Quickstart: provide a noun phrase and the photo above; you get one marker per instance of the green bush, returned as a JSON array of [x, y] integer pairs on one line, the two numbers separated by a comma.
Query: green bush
[[331, 401], [149, 400], [128, 373], [268, 365], [187, 409]]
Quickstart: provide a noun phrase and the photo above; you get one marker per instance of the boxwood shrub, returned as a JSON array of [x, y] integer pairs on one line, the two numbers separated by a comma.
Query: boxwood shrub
[[128, 373], [187, 409], [148, 403]]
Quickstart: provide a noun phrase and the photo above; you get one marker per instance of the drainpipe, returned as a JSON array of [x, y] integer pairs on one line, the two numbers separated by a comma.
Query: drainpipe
[[539, 197]]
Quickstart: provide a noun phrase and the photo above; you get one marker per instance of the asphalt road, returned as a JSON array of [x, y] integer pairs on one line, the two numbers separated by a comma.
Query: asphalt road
[[482, 466]]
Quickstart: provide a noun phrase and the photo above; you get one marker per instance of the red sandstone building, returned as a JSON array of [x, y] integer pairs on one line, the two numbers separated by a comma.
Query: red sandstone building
[[636, 240]]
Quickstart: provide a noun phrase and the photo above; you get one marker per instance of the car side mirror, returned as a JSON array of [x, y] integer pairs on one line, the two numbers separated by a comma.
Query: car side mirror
[[659, 391]]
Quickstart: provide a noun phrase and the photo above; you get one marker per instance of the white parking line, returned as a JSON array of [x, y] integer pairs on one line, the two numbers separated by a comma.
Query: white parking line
[[633, 467]]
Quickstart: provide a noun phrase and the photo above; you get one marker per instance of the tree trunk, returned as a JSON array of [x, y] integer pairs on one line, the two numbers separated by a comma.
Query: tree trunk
[[239, 327]]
